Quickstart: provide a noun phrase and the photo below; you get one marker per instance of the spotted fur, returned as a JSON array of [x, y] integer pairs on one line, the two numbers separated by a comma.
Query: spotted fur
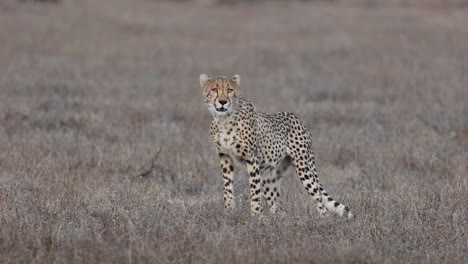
[[267, 143]]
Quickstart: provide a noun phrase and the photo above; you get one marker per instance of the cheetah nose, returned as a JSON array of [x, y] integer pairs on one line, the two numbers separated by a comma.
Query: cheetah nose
[[222, 102]]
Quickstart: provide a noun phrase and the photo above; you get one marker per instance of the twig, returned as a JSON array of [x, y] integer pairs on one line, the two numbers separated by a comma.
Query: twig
[[428, 124], [153, 164], [368, 179]]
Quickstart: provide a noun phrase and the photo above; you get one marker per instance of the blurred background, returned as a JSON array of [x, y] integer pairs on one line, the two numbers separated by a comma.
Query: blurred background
[[105, 152]]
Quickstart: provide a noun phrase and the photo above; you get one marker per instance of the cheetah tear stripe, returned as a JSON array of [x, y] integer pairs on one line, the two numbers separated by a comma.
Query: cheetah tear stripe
[[266, 143]]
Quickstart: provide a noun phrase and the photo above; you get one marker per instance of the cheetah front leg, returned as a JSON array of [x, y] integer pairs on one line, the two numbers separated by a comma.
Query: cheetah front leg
[[228, 176], [255, 187]]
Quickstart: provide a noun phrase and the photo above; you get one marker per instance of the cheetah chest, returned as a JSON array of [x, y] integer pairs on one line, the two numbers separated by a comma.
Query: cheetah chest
[[226, 140]]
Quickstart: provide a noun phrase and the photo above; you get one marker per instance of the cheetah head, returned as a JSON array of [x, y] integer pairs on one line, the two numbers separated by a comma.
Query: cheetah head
[[220, 93]]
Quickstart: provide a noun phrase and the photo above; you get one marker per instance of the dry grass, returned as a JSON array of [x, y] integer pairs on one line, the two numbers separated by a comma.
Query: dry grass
[[91, 91]]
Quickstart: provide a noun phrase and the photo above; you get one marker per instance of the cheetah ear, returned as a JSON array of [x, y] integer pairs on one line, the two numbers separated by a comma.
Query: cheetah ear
[[236, 78], [203, 79]]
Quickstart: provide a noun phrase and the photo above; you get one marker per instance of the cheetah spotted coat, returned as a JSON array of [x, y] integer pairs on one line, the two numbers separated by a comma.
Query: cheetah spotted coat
[[267, 143]]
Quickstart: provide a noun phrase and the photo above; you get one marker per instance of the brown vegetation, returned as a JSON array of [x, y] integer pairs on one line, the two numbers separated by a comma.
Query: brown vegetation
[[105, 153]]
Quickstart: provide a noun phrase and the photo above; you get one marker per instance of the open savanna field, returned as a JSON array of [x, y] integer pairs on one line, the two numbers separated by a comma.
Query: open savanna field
[[106, 155]]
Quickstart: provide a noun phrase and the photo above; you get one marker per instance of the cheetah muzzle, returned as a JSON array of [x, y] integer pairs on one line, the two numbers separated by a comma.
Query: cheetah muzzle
[[266, 143]]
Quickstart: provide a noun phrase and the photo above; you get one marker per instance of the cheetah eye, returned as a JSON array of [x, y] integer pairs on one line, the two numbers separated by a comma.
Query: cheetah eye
[[214, 90], [230, 90]]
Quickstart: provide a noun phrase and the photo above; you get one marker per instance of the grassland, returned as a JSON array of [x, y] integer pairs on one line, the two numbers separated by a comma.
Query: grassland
[[93, 93]]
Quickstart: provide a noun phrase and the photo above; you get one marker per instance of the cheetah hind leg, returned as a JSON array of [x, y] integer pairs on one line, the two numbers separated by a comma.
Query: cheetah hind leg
[[307, 172], [305, 169], [271, 184]]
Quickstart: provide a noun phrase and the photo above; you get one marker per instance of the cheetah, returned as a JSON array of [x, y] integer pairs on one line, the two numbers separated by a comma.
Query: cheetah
[[266, 143]]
